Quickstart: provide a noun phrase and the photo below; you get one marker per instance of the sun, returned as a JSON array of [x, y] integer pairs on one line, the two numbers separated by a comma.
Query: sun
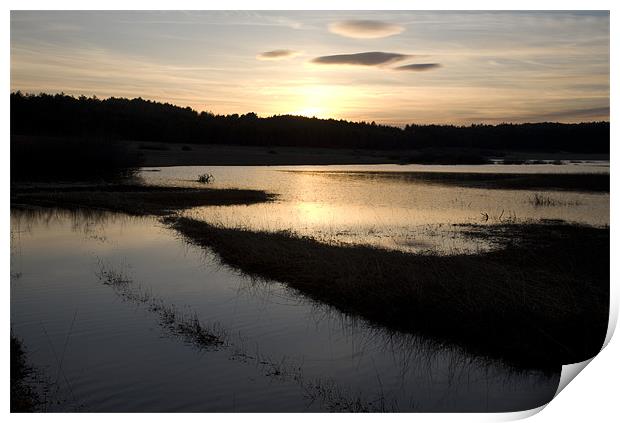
[[310, 112], [317, 101]]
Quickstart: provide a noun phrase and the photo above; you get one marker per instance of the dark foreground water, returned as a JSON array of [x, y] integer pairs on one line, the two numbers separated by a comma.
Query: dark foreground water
[[102, 352], [98, 348]]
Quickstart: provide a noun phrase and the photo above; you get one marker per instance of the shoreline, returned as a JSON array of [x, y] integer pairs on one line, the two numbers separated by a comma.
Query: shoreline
[[134, 199], [159, 154], [519, 291]]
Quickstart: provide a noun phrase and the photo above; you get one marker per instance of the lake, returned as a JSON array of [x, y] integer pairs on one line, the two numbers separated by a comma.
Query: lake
[[97, 348], [363, 204]]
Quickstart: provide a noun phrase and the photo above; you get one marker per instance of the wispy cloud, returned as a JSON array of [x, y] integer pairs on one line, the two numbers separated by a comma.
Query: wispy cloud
[[365, 29], [277, 54], [63, 27], [418, 67], [371, 58]]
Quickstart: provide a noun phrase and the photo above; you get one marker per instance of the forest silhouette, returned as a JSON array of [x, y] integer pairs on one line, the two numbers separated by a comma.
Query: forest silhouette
[[137, 119]]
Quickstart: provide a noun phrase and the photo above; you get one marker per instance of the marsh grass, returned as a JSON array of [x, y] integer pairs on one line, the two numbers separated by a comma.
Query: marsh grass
[[134, 199], [24, 399], [340, 400], [542, 200], [325, 390], [211, 337], [180, 323], [205, 178], [539, 300]]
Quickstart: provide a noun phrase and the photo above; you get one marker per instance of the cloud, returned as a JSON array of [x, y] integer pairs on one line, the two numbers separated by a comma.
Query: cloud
[[371, 58], [365, 29], [418, 67], [277, 54], [593, 112]]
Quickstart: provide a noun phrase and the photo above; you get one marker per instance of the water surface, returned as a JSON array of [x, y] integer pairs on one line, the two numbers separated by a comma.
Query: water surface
[[100, 352], [395, 213], [97, 350]]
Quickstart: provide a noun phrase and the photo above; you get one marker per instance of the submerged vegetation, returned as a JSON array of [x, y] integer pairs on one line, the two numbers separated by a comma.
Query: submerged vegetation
[[188, 326], [540, 300], [23, 397], [177, 322], [542, 200]]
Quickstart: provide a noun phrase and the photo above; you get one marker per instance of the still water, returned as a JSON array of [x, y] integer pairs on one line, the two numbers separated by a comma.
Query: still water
[[351, 204], [97, 350]]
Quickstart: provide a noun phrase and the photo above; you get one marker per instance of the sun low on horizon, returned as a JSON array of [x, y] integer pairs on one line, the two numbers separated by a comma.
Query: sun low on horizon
[[384, 66]]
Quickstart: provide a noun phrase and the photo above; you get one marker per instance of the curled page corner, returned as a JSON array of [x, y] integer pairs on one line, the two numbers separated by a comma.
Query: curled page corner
[[613, 317], [517, 415], [569, 372]]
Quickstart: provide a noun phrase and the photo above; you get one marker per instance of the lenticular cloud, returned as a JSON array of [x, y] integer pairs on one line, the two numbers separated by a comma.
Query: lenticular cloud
[[365, 29]]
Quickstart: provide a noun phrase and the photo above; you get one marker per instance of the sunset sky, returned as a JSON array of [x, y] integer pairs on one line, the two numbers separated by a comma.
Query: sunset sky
[[390, 67]]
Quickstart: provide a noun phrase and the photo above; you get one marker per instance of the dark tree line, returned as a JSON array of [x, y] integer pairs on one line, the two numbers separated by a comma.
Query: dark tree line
[[590, 137], [143, 120]]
